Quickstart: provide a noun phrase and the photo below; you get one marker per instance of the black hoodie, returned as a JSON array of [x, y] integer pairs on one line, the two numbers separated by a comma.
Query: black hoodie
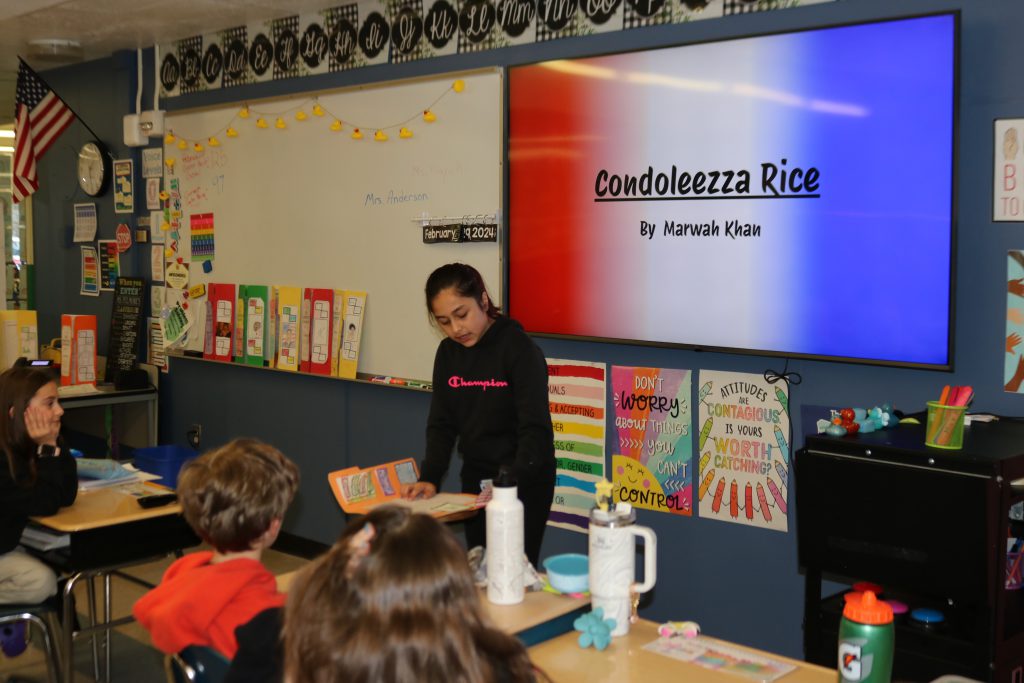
[[493, 396]]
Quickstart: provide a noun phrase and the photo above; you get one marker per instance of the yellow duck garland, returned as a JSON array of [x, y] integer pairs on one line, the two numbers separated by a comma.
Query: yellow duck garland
[[337, 124]]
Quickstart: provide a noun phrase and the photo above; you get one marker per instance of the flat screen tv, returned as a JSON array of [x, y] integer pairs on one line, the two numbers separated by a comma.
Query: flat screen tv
[[788, 194]]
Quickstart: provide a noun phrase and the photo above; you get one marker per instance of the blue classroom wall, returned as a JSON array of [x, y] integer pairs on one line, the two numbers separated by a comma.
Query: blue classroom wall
[[740, 583]]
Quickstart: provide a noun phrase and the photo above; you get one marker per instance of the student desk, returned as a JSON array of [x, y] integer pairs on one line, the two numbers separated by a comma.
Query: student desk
[[625, 661], [108, 531], [540, 616]]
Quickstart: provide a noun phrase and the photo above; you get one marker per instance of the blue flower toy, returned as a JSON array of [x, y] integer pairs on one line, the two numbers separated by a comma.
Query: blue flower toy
[[595, 629]]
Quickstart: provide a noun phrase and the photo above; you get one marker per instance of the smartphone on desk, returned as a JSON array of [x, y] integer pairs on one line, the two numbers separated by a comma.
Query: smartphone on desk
[[157, 500]]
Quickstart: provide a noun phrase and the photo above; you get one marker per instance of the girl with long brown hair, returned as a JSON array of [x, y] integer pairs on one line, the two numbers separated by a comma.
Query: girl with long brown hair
[[37, 477], [394, 602]]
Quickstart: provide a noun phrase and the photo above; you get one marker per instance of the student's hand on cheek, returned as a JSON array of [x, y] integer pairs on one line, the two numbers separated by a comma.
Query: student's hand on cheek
[[41, 427]]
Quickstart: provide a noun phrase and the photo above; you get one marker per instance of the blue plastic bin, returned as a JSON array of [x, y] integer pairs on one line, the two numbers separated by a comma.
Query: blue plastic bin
[[165, 461]]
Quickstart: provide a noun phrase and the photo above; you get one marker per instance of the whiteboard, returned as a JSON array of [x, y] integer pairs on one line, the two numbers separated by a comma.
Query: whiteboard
[[307, 206]]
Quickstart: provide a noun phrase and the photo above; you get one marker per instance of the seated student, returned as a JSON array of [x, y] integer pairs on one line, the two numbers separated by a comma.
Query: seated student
[[37, 477], [234, 498], [394, 600]]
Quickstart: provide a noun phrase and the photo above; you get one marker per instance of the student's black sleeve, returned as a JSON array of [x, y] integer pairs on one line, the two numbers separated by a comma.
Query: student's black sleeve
[[260, 657], [442, 428], [535, 448], [56, 486]]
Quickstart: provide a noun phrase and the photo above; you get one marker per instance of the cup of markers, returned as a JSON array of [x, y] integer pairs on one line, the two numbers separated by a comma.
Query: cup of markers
[[945, 426]]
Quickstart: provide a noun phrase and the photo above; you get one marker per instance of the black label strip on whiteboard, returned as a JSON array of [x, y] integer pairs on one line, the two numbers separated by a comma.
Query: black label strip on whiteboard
[[480, 232], [434, 234]]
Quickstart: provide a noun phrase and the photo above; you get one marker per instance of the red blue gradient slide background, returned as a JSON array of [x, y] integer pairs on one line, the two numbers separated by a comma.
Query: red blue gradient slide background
[[863, 271]]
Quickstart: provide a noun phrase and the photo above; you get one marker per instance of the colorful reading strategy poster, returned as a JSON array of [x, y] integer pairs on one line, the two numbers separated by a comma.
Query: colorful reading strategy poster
[[744, 449], [1013, 370], [576, 397], [653, 467]]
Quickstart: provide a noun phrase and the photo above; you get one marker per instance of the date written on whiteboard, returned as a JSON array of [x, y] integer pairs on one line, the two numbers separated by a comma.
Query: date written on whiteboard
[[457, 232]]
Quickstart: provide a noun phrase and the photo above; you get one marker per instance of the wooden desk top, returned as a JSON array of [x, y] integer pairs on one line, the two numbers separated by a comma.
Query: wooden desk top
[[536, 608], [102, 508], [625, 661]]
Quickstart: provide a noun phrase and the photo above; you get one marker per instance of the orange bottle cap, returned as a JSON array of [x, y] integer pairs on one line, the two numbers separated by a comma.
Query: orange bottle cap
[[865, 608]]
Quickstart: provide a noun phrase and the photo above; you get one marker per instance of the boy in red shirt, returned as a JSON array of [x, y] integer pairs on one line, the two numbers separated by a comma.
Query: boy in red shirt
[[234, 498]]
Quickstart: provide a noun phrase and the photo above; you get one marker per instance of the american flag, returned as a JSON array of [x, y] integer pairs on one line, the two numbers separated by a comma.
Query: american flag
[[40, 117]]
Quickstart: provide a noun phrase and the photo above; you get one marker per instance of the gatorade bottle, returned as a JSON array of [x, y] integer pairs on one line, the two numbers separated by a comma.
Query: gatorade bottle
[[866, 639]]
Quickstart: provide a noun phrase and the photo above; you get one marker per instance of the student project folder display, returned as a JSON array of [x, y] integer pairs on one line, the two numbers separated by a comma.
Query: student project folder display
[[19, 338], [359, 490], [220, 322], [77, 349]]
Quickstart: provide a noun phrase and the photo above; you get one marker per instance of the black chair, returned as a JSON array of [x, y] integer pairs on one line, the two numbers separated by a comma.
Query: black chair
[[196, 664]]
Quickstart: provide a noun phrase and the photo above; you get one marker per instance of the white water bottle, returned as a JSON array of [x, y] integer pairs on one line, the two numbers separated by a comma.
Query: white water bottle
[[504, 555]]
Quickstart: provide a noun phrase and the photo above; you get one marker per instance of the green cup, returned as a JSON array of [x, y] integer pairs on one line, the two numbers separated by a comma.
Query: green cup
[[945, 427]]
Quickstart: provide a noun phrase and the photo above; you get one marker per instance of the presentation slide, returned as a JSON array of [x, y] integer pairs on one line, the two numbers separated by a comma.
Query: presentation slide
[[789, 193]]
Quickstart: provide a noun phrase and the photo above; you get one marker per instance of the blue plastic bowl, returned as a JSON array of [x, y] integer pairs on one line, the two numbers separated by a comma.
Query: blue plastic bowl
[[568, 573]]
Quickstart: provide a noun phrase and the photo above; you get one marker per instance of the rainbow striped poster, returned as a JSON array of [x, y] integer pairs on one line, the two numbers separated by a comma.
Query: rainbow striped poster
[[744, 446], [576, 397], [652, 467], [202, 237]]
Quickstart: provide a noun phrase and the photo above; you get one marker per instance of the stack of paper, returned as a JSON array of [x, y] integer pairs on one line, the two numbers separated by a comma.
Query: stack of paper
[[129, 475], [43, 539]]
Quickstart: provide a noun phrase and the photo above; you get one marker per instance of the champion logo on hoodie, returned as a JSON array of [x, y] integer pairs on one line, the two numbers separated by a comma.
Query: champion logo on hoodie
[[457, 382]]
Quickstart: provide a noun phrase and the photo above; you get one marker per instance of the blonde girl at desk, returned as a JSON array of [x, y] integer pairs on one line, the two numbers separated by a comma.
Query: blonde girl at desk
[[37, 477], [490, 394], [394, 600]]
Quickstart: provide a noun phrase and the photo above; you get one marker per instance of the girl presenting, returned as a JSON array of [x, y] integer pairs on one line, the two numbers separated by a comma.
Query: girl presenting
[[491, 394]]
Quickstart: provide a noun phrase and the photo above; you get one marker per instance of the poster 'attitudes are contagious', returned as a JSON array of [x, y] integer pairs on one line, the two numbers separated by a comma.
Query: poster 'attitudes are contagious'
[[744, 450], [653, 467]]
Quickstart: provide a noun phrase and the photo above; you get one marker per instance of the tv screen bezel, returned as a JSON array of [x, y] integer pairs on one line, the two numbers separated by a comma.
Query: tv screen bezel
[[948, 366]]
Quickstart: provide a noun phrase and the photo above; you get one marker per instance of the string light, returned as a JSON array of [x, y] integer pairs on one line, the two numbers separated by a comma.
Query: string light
[[459, 85], [336, 126], [380, 136], [169, 138], [357, 134], [261, 122], [182, 144], [197, 147], [280, 123], [213, 142], [244, 113], [232, 133], [169, 162], [429, 116], [301, 116], [404, 132], [318, 110]]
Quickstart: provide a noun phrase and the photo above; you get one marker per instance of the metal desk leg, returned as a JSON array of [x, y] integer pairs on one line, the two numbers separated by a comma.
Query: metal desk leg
[[106, 620], [68, 630], [93, 614]]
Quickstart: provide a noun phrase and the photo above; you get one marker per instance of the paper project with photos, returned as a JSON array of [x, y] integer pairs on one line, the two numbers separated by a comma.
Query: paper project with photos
[[718, 656], [359, 490]]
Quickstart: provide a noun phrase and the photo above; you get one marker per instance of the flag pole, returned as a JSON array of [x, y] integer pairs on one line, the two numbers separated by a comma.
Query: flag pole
[[57, 95]]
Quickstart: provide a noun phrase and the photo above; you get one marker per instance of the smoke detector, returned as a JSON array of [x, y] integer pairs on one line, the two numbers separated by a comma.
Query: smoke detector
[[55, 49]]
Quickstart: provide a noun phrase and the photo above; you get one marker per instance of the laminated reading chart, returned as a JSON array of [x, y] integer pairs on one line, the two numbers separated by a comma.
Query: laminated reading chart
[[359, 490], [744, 447]]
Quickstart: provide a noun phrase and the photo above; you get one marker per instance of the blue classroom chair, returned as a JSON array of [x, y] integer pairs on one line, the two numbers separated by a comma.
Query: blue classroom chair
[[42, 616]]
